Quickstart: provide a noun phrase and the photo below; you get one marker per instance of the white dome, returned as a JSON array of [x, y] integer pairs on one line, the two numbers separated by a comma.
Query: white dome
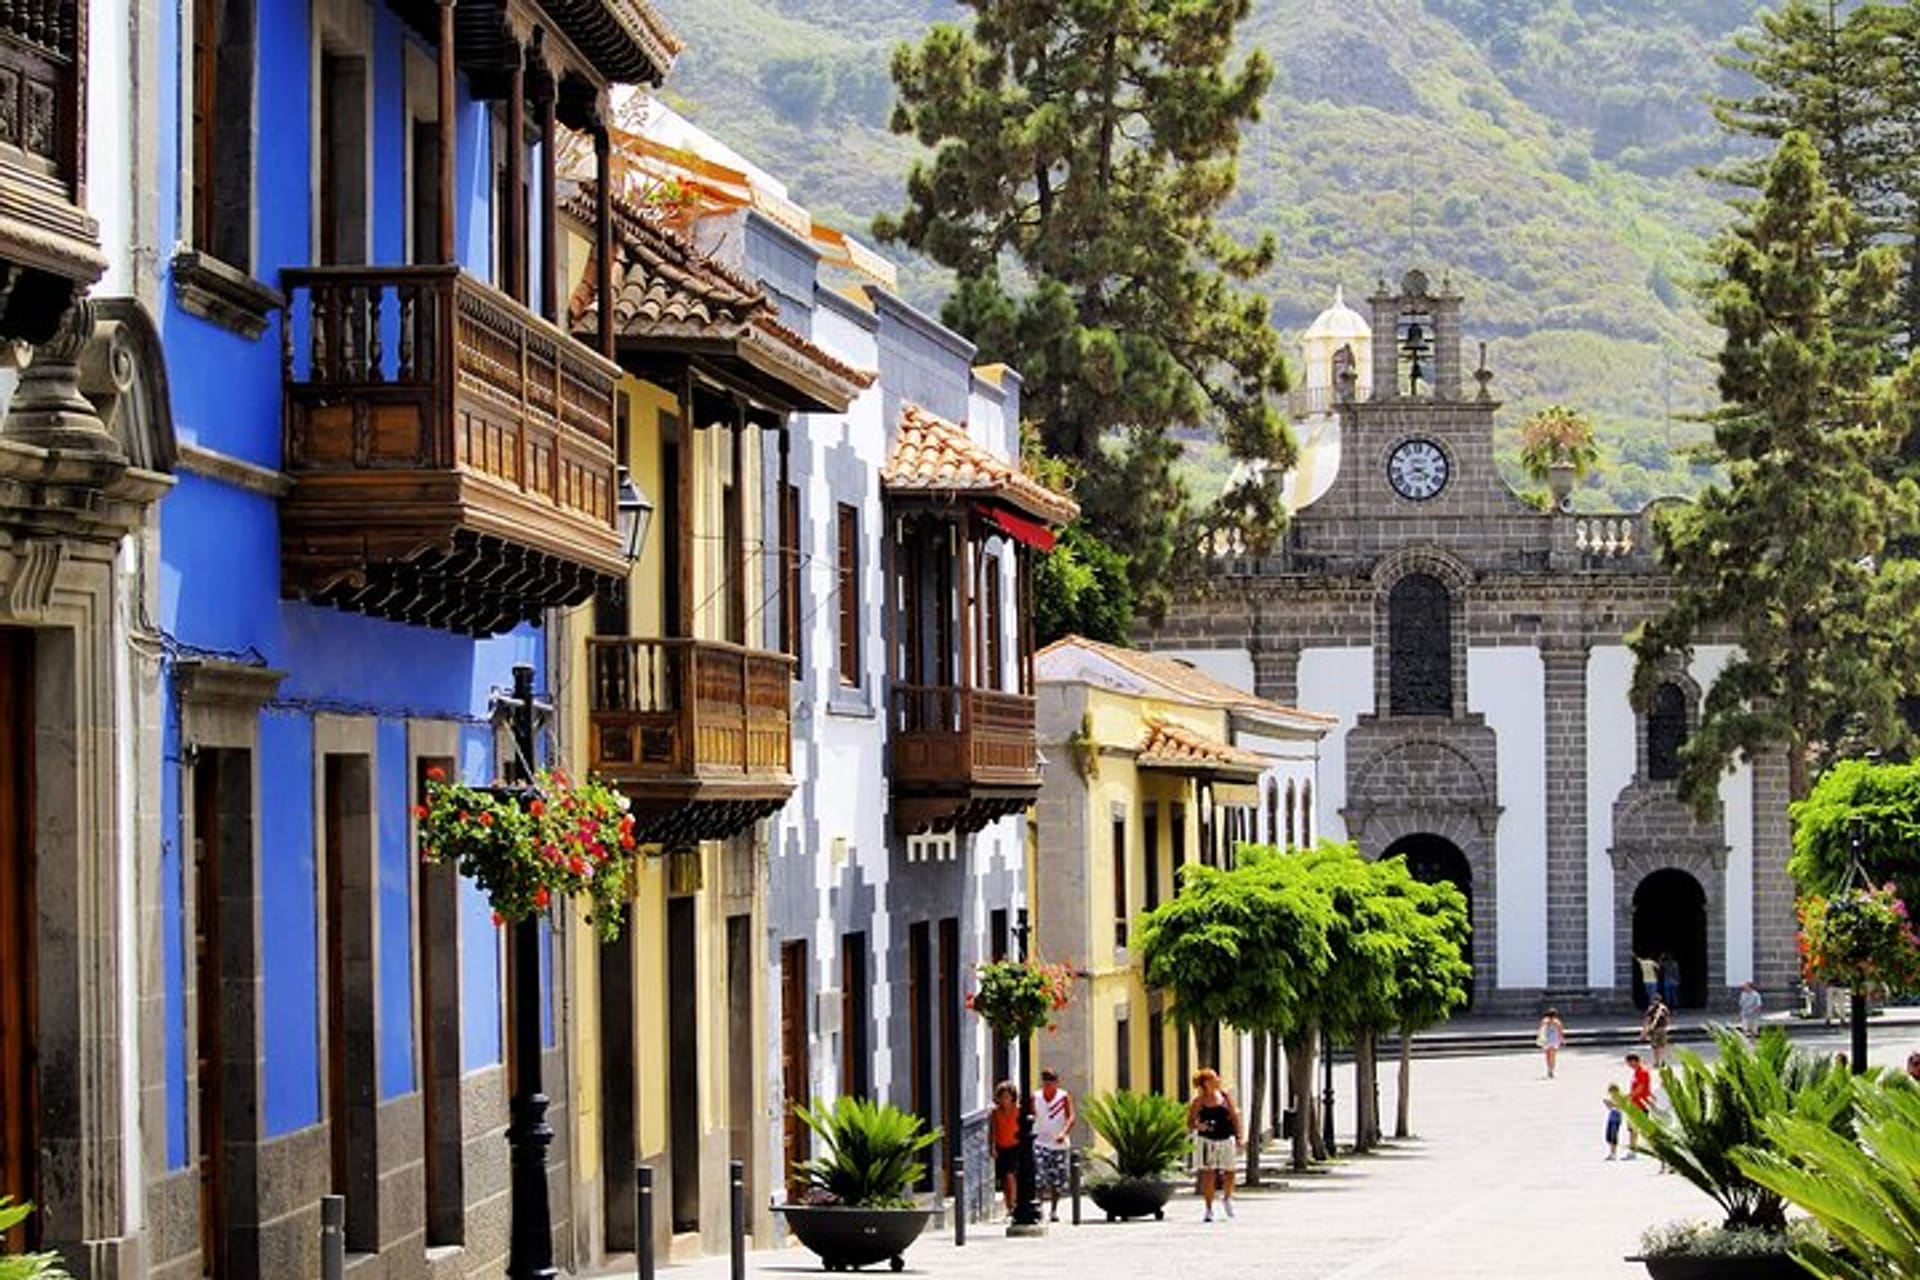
[[1339, 322]]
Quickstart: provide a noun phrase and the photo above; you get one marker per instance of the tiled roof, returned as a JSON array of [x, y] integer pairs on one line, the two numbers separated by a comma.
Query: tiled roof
[[1168, 745], [664, 288], [932, 455], [1186, 681]]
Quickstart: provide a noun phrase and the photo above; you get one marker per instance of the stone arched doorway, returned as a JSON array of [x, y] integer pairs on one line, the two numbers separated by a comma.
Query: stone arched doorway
[[1670, 919], [1432, 859]]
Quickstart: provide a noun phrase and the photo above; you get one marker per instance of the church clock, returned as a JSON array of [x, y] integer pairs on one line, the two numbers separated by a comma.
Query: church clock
[[1417, 469]]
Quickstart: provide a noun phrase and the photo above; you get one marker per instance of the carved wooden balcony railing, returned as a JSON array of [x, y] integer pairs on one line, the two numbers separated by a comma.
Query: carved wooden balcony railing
[[961, 757], [452, 453], [697, 733]]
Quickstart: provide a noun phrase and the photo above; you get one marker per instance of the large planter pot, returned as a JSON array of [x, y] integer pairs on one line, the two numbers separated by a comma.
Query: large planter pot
[[848, 1238], [1764, 1266], [1560, 481], [1126, 1198]]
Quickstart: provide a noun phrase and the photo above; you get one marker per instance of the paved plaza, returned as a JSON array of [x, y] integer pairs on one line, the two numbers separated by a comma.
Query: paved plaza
[[1506, 1179]]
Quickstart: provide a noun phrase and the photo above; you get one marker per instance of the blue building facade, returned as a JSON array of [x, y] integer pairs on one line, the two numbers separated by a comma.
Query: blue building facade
[[395, 464]]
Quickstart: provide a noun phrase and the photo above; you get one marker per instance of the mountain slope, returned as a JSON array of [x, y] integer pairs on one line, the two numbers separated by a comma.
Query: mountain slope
[[1543, 155]]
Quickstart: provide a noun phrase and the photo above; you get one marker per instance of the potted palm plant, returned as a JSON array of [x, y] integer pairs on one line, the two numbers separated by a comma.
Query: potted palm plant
[[857, 1208], [1557, 449], [1143, 1138], [1715, 1112]]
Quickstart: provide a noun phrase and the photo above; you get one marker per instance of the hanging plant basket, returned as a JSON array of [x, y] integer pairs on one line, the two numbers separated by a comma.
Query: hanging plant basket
[[1859, 938], [526, 846], [1019, 997]]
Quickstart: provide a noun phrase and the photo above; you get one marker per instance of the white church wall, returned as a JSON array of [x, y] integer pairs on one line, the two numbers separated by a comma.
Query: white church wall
[[1228, 666], [1612, 755], [1736, 800], [1339, 683], [1507, 686]]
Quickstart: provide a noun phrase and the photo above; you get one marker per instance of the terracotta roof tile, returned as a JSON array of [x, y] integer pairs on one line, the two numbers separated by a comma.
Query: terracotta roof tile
[[1189, 682], [932, 455], [1173, 746]]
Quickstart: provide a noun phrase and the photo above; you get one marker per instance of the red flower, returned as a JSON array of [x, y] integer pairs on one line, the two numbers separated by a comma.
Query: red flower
[[436, 774], [537, 809], [426, 854], [420, 812], [486, 819], [542, 898], [577, 865], [626, 840], [498, 920]]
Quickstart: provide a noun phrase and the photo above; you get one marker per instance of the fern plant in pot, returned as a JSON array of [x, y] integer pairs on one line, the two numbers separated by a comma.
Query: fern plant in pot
[[857, 1205], [1143, 1139]]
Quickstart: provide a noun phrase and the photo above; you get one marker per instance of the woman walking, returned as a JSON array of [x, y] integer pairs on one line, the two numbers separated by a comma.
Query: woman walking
[[1551, 1036], [1215, 1123]]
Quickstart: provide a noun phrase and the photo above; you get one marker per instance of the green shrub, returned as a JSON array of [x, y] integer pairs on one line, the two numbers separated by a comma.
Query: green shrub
[[1716, 1109], [872, 1153], [1145, 1133], [26, 1266], [1862, 1188], [1706, 1240]]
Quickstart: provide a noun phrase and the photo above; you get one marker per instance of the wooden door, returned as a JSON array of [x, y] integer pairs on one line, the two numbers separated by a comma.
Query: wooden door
[[920, 1026], [209, 1059], [19, 1104], [794, 1065], [949, 1045], [683, 1062]]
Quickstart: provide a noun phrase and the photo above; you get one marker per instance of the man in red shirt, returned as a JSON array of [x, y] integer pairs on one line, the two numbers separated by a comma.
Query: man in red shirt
[[1639, 1097]]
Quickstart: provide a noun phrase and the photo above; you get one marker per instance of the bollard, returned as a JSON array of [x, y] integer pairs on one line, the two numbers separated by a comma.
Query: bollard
[[643, 1222], [737, 1228], [333, 1237], [959, 1199], [1073, 1182]]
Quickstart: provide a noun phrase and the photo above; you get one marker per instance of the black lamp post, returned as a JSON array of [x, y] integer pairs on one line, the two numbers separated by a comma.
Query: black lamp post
[[1026, 1206], [1857, 997], [530, 1252], [1326, 1091]]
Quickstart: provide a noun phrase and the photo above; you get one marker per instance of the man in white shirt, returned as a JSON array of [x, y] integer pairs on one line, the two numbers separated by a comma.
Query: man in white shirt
[[1053, 1118]]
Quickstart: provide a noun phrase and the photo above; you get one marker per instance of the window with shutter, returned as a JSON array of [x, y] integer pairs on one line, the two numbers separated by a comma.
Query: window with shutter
[[848, 549]]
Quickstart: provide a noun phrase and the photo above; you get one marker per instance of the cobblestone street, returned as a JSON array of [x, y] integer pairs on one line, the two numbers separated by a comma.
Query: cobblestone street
[[1507, 1178]]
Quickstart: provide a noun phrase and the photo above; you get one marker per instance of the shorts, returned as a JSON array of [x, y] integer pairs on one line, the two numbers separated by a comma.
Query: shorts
[[1050, 1169], [1214, 1153], [1613, 1127], [1006, 1162]]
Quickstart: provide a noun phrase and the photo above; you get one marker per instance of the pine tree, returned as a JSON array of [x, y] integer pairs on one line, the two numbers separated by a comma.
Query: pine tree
[[1787, 558], [1083, 150]]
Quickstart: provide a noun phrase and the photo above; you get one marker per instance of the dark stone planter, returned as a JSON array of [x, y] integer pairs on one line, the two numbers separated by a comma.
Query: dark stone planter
[[1765, 1266], [849, 1238], [1131, 1197]]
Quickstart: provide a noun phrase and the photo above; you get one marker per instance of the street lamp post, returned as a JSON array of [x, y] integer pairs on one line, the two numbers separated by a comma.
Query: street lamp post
[[530, 1251], [1326, 1091], [1026, 1207]]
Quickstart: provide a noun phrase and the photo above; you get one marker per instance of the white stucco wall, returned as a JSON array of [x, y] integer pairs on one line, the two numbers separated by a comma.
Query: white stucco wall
[[1612, 747], [1228, 666], [1338, 683], [1736, 800], [1508, 687]]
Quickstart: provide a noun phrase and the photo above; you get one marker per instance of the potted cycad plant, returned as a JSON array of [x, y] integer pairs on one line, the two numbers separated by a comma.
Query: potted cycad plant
[[1715, 1112], [1143, 1138], [25, 1266], [857, 1208]]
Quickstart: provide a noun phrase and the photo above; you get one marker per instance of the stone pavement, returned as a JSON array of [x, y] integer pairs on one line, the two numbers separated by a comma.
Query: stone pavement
[[1506, 1179]]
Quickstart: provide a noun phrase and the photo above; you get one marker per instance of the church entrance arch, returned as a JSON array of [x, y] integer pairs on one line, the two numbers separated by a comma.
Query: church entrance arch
[[1670, 919], [1432, 859]]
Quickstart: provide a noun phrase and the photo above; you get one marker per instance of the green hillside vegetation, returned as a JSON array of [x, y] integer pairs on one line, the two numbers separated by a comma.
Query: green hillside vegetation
[[1543, 155]]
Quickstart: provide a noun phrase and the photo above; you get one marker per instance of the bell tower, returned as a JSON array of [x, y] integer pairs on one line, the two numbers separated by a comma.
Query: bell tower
[[1416, 346]]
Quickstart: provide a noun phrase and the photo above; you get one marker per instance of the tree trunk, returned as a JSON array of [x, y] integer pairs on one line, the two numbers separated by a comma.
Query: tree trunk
[[1401, 1126], [1256, 1107], [1300, 1082], [1362, 1094], [1316, 1134]]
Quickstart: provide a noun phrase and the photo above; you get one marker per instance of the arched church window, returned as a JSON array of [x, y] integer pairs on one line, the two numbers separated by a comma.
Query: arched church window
[[1666, 731], [1272, 789], [1306, 813], [1290, 802], [1419, 647]]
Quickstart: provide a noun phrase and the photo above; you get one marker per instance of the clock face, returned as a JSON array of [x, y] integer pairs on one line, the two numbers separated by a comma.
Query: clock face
[[1417, 469]]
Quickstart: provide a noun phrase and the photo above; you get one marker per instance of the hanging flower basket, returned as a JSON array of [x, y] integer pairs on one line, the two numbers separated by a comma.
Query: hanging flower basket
[[1018, 997], [1859, 938], [526, 846]]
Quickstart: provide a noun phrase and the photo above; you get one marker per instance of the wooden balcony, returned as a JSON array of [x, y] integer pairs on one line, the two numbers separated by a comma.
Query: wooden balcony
[[961, 757], [697, 733], [452, 453]]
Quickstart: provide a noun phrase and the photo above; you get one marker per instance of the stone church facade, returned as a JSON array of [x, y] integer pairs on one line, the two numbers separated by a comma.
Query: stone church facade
[[1473, 649]]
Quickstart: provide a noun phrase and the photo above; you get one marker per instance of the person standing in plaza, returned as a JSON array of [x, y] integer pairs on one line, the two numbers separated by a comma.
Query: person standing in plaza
[[1550, 1038], [1750, 1009], [1005, 1133], [1669, 979], [1649, 976], [1053, 1118], [1639, 1097], [1215, 1124], [1653, 1029]]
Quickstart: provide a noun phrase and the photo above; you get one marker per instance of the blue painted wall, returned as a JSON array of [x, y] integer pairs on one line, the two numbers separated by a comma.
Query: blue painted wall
[[220, 597]]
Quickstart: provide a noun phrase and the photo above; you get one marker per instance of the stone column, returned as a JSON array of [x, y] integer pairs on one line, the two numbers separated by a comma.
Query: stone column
[[1565, 710], [1276, 671], [1776, 965]]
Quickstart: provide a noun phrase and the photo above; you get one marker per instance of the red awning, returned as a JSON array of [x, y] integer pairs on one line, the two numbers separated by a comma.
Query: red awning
[[1019, 528]]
